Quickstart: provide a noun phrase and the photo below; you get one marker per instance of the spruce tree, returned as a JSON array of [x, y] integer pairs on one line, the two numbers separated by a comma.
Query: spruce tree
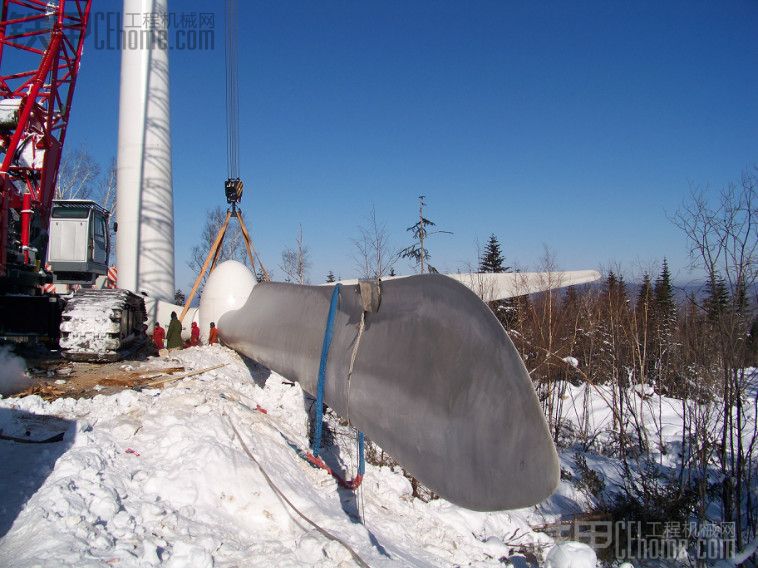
[[615, 290], [645, 314], [663, 298], [613, 351], [611, 283], [492, 257], [610, 292], [492, 261], [644, 306], [330, 277], [717, 298], [571, 301], [622, 295], [665, 324], [740, 297]]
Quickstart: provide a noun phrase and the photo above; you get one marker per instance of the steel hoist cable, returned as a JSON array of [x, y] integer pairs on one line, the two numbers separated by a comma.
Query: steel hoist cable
[[232, 90]]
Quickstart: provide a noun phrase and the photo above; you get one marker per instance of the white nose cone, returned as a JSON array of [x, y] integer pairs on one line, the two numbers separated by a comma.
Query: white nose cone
[[226, 290]]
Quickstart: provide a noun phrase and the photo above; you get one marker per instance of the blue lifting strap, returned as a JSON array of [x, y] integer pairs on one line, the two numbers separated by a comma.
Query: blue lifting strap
[[322, 369], [361, 460], [319, 425]]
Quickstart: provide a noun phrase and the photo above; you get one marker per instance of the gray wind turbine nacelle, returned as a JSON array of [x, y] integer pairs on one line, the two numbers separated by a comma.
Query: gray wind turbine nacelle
[[436, 383]]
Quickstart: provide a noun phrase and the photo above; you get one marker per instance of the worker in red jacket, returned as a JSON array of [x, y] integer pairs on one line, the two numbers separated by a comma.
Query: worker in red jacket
[[159, 334], [194, 335], [213, 335]]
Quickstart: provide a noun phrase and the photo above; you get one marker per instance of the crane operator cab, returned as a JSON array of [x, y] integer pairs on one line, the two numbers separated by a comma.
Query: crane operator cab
[[79, 241]]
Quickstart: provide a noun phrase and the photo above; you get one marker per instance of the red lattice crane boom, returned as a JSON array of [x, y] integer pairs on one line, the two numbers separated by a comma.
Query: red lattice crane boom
[[41, 45]]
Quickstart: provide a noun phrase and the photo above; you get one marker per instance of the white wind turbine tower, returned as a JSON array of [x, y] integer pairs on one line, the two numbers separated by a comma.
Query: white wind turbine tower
[[145, 211]]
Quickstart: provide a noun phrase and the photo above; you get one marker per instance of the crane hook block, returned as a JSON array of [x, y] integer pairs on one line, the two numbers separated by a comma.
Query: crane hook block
[[233, 189]]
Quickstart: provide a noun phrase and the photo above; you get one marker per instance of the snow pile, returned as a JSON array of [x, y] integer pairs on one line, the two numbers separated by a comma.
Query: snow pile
[[588, 411], [13, 378], [644, 390], [571, 555], [160, 478]]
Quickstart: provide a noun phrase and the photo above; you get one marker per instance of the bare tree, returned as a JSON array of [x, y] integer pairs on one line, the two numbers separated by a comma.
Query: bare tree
[[78, 175], [232, 248], [296, 261], [543, 320], [105, 193], [106, 196], [372, 256], [417, 252], [723, 242]]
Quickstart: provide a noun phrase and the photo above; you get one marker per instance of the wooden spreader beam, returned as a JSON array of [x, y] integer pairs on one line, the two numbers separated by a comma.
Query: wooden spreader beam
[[215, 252]]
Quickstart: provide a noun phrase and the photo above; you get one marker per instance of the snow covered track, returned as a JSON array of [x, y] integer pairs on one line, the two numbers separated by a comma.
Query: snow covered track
[[159, 478], [102, 325]]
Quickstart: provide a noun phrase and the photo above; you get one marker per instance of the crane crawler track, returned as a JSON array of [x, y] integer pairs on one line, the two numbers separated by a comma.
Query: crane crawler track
[[102, 325]]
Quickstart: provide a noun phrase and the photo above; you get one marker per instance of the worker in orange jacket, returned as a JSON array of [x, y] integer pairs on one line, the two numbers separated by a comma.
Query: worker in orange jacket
[[159, 334], [194, 335], [213, 335]]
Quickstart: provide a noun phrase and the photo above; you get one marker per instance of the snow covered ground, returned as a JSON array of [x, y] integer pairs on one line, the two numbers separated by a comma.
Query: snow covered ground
[[160, 478]]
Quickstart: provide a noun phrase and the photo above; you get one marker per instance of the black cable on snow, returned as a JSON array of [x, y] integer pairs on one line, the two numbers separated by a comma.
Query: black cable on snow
[[283, 497]]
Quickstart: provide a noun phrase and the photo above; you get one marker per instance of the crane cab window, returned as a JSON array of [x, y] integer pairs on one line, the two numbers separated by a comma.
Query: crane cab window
[[70, 213], [99, 227]]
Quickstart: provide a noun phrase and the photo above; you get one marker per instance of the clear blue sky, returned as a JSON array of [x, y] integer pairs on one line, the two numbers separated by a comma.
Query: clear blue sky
[[576, 125]]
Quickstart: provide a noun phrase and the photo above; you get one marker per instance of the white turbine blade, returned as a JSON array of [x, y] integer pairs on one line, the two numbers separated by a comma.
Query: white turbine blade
[[500, 286], [491, 286], [436, 382]]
